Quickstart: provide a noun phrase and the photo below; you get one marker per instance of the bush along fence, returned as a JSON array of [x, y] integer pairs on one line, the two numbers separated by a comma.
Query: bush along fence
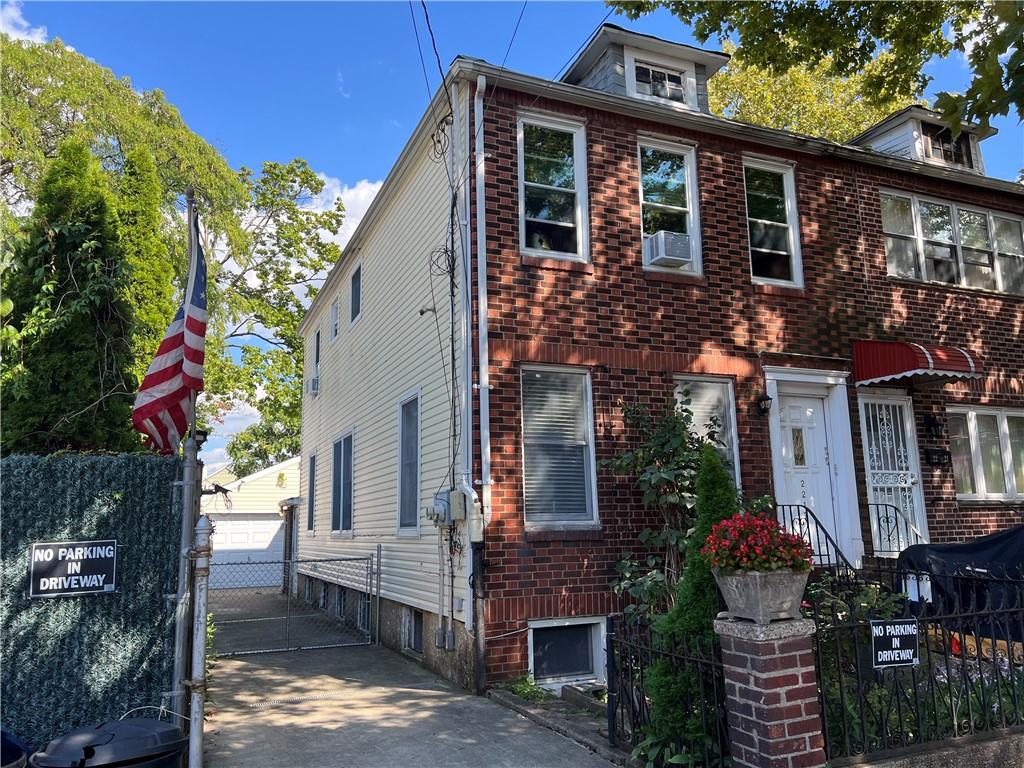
[[881, 661], [68, 661], [910, 659], [666, 696]]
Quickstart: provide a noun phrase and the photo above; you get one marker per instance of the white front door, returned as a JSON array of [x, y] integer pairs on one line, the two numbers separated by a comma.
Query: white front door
[[892, 472], [807, 468]]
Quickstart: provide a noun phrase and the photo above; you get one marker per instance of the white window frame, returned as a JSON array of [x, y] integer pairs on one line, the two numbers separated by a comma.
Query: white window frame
[[597, 647], [579, 151], [343, 533], [954, 210], [1013, 493], [792, 219], [317, 353], [357, 267], [335, 317], [689, 152], [730, 387], [409, 530], [311, 490], [550, 522], [632, 56]]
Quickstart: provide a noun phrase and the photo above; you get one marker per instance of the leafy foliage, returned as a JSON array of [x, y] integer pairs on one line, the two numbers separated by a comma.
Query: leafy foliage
[[780, 34], [663, 462], [526, 687], [267, 235], [756, 543], [806, 99], [66, 372], [697, 594]]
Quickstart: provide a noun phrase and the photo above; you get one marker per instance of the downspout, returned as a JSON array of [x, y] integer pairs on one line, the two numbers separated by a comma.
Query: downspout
[[483, 374]]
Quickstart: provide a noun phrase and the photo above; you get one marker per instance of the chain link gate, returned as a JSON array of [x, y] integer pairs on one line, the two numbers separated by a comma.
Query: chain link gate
[[289, 605]]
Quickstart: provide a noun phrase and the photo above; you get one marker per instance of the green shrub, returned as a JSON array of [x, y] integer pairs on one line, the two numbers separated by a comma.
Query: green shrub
[[526, 687]]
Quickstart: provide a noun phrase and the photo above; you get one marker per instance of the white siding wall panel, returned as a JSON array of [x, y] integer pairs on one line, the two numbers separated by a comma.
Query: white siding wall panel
[[897, 141], [260, 492], [389, 351]]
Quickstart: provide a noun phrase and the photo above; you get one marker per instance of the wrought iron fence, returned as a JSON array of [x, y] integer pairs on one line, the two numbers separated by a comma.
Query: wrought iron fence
[[892, 530], [666, 695], [969, 673], [277, 605]]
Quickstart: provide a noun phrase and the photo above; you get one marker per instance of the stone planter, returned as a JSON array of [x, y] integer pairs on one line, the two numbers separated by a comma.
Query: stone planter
[[762, 596]]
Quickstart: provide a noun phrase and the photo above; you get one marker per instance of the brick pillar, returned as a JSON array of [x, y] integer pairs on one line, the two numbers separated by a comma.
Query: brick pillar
[[772, 694]]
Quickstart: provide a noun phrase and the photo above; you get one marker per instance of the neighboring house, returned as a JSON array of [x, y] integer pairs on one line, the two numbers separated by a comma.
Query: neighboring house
[[248, 525], [613, 241]]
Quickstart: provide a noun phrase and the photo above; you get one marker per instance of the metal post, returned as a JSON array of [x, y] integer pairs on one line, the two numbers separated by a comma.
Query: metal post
[[181, 617], [613, 695], [201, 551], [376, 631]]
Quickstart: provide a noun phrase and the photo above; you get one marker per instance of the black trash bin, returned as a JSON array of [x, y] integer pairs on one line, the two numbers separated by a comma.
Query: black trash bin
[[13, 753], [137, 742]]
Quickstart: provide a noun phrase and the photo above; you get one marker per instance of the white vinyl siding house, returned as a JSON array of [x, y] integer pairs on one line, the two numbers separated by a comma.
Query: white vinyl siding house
[[383, 280]]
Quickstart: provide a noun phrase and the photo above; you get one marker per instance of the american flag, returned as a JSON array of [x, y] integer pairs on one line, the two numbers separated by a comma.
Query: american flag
[[163, 408]]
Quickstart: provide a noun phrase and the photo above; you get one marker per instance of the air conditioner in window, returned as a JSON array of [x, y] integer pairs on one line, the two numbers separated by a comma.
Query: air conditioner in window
[[313, 385], [668, 249]]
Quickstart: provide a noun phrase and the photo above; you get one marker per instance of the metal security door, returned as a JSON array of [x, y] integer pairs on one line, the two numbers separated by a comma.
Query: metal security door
[[892, 473]]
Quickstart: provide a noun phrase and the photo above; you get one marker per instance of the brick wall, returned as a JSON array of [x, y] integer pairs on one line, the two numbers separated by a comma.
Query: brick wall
[[636, 329]]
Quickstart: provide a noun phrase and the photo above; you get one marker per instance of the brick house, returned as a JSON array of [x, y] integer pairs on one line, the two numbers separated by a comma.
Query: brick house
[[851, 313]]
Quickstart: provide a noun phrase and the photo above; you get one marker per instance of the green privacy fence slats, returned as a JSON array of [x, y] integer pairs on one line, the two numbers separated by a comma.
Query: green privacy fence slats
[[72, 661]]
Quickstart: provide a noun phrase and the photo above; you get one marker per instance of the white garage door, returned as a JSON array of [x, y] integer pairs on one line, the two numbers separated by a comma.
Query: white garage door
[[249, 539]]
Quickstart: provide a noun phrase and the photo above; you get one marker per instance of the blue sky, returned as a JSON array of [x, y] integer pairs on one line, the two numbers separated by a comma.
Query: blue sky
[[340, 84]]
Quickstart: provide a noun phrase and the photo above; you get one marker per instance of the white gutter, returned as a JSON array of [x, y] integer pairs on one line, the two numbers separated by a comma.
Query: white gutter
[[484, 360]]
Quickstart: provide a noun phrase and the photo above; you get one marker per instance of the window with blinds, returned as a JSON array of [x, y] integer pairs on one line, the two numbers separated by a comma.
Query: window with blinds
[[558, 459], [711, 403], [341, 485], [409, 463]]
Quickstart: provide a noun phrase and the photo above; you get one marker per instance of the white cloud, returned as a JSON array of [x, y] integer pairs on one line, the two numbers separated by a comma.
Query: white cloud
[[341, 86], [13, 23], [357, 199], [238, 418]]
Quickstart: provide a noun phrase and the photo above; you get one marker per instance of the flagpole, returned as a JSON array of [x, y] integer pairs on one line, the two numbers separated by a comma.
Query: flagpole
[[190, 494]]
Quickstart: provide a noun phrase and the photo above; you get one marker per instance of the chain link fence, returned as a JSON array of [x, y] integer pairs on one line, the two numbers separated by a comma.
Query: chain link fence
[[285, 605]]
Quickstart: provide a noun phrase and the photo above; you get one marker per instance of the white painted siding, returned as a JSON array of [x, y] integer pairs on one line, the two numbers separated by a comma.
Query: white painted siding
[[897, 141], [391, 350], [259, 492]]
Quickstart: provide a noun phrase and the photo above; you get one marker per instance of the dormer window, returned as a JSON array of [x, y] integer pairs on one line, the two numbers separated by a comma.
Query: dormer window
[[940, 145], [663, 83], [660, 78]]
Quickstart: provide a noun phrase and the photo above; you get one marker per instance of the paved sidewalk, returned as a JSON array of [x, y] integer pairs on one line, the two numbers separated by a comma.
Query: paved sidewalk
[[366, 707]]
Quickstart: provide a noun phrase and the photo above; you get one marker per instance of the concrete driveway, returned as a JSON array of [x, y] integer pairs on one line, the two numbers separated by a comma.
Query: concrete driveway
[[366, 707]]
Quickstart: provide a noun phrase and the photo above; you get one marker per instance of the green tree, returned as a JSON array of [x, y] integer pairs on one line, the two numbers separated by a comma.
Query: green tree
[[806, 99], [697, 594], [779, 34], [266, 238], [66, 366], [150, 290]]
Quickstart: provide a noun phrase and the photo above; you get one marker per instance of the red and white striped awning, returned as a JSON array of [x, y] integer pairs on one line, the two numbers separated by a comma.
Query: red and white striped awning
[[875, 362]]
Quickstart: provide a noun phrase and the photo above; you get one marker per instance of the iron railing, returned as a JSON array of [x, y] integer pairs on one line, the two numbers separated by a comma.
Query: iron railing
[[666, 695], [827, 553], [892, 530], [970, 645]]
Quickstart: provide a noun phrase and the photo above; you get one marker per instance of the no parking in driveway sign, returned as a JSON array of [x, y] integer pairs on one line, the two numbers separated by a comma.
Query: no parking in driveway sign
[[73, 568]]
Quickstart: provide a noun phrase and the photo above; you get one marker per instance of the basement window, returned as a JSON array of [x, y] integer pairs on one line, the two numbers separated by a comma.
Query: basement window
[[564, 650], [414, 630]]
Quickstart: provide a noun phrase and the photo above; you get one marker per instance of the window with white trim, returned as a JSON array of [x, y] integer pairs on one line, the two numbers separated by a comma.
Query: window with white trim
[[943, 242], [559, 477], [713, 407], [987, 445], [409, 463], [662, 79], [553, 188], [566, 650], [311, 492], [772, 222], [334, 318], [940, 145], [668, 206], [341, 484], [316, 354], [355, 294]]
